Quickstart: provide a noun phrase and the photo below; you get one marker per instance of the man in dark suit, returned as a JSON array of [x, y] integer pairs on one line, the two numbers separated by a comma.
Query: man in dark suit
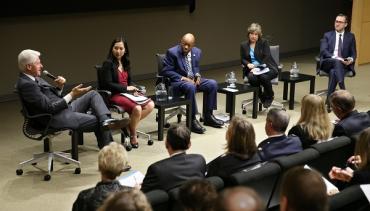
[[351, 122], [277, 143], [179, 167], [68, 112], [338, 53], [181, 65]]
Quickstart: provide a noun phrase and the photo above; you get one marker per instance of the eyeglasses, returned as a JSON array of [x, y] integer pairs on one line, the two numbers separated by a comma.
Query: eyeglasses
[[342, 22]]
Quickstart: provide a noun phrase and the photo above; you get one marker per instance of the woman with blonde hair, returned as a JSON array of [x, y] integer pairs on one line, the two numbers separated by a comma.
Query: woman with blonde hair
[[358, 166], [314, 124], [241, 150], [112, 161]]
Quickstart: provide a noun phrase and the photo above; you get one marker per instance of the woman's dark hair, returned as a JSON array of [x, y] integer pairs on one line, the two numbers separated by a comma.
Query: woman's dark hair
[[125, 58]]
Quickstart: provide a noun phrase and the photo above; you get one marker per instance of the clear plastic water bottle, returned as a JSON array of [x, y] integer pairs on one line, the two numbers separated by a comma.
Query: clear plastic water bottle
[[294, 70], [160, 92]]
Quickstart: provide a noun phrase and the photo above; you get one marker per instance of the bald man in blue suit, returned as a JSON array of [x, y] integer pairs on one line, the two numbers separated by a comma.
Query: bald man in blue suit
[[338, 53], [181, 65]]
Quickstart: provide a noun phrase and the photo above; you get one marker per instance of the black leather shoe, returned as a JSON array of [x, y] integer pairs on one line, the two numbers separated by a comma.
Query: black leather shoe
[[212, 121], [134, 145], [115, 124], [268, 102], [196, 127]]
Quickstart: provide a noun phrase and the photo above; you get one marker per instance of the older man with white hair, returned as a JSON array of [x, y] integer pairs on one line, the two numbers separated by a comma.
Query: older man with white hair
[[69, 111]]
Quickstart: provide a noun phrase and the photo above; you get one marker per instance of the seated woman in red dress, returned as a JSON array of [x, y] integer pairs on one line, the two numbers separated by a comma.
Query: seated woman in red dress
[[117, 79]]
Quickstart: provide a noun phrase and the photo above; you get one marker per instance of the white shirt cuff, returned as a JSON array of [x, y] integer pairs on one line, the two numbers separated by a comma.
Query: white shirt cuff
[[68, 98]]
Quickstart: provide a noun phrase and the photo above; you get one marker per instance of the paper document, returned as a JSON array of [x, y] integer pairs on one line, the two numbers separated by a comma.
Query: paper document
[[131, 180], [259, 71], [366, 190], [230, 89], [134, 98], [330, 187]]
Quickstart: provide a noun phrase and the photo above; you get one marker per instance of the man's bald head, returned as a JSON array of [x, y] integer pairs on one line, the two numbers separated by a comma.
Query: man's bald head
[[187, 42], [239, 199]]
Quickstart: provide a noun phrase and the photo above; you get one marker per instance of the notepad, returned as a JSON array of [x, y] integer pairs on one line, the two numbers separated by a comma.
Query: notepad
[[138, 99], [230, 89], [131, 180], [330, 187]]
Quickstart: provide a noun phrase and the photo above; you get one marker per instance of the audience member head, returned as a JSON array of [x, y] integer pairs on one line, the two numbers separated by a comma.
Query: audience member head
[[187, 43], [254, 32], [363, 149], [178, 138], [197, 195], [314, 118], [239, 199], [241, 138], [342, 103], [29, 62], [341, 22], [277, 121], [118, 50], [112, 161], [303, 190], [132, 200]]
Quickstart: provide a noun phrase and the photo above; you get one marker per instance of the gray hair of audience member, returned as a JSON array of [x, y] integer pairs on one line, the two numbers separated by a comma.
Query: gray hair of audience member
[[112, 160], [304, 190], [128, 200], [197, 195], [362, 149], [178, 137], [241, 138], [26, 57], [343, 100], [279, 119], [255, 27], [239, 199]]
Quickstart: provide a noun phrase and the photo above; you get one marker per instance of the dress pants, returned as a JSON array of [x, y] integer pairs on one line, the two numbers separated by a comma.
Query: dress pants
[[263, 80], [336, 70], [207, 86]]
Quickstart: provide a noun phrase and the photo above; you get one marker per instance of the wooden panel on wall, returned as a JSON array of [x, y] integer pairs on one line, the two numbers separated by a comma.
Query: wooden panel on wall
[[366, 13], [364, 44]]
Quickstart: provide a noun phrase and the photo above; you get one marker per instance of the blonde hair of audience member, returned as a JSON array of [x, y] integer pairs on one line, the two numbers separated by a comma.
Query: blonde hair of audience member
[[112, 160], [303, 190], [255, 28], [239, 199], [241, 138], [314, 118], [132, 200]]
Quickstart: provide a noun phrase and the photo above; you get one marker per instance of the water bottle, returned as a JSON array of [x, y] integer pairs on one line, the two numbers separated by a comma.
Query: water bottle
[[294, 70], [231, 79], [160, 92]]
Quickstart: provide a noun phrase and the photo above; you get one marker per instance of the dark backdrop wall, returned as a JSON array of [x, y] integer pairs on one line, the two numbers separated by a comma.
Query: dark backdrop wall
[[72, 43]]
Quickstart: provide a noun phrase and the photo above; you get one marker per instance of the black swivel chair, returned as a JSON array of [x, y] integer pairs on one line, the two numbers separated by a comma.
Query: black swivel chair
[[275, 53], [117, 109], [34, 131], [351, 198]]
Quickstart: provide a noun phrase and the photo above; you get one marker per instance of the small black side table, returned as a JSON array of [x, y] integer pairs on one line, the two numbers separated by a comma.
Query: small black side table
[[230, 97], [285, 76], [163, 105]]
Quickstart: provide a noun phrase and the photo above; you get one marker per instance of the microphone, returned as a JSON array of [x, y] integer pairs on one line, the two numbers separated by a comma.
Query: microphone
[[45, 72], [196, 77]]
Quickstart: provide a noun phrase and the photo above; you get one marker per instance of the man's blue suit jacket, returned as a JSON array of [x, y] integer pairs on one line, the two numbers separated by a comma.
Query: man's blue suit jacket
[[327, 46], [174, 63]]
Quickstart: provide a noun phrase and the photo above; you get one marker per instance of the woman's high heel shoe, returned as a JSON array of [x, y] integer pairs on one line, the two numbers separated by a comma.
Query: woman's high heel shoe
[[134, 145]]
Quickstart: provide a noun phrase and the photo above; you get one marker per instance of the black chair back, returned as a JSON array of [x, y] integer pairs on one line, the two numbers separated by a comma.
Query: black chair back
[[158, 199], [351, 198], [262, 179]]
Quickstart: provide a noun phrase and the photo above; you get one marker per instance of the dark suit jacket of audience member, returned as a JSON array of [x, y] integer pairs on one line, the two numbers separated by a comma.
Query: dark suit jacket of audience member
[[173, 171], [91, 199], [110, 78], [227, 164], [278, 146], [303, 136], [352, 124], [261, 53]]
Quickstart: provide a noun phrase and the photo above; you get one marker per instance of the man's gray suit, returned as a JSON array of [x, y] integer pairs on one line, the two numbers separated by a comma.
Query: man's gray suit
[[40, 97]]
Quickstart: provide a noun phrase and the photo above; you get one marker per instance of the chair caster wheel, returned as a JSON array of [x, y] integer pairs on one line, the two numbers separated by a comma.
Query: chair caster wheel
[[78, 171], [179, 118], [47, 177], [34, 164], [156, 117], [128, 148], [201, 119], [244, 112], [150, 142], [19, 172], [167, 125]]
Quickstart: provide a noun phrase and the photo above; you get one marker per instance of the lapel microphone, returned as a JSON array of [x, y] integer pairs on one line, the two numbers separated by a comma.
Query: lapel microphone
[[45, 72]]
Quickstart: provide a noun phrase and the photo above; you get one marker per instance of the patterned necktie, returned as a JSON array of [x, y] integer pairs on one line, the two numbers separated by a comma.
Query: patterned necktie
[[188, 67], [340, 44]]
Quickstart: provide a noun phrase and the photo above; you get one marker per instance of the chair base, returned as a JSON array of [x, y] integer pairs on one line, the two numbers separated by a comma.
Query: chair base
[[274, 104], [50, 156]]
